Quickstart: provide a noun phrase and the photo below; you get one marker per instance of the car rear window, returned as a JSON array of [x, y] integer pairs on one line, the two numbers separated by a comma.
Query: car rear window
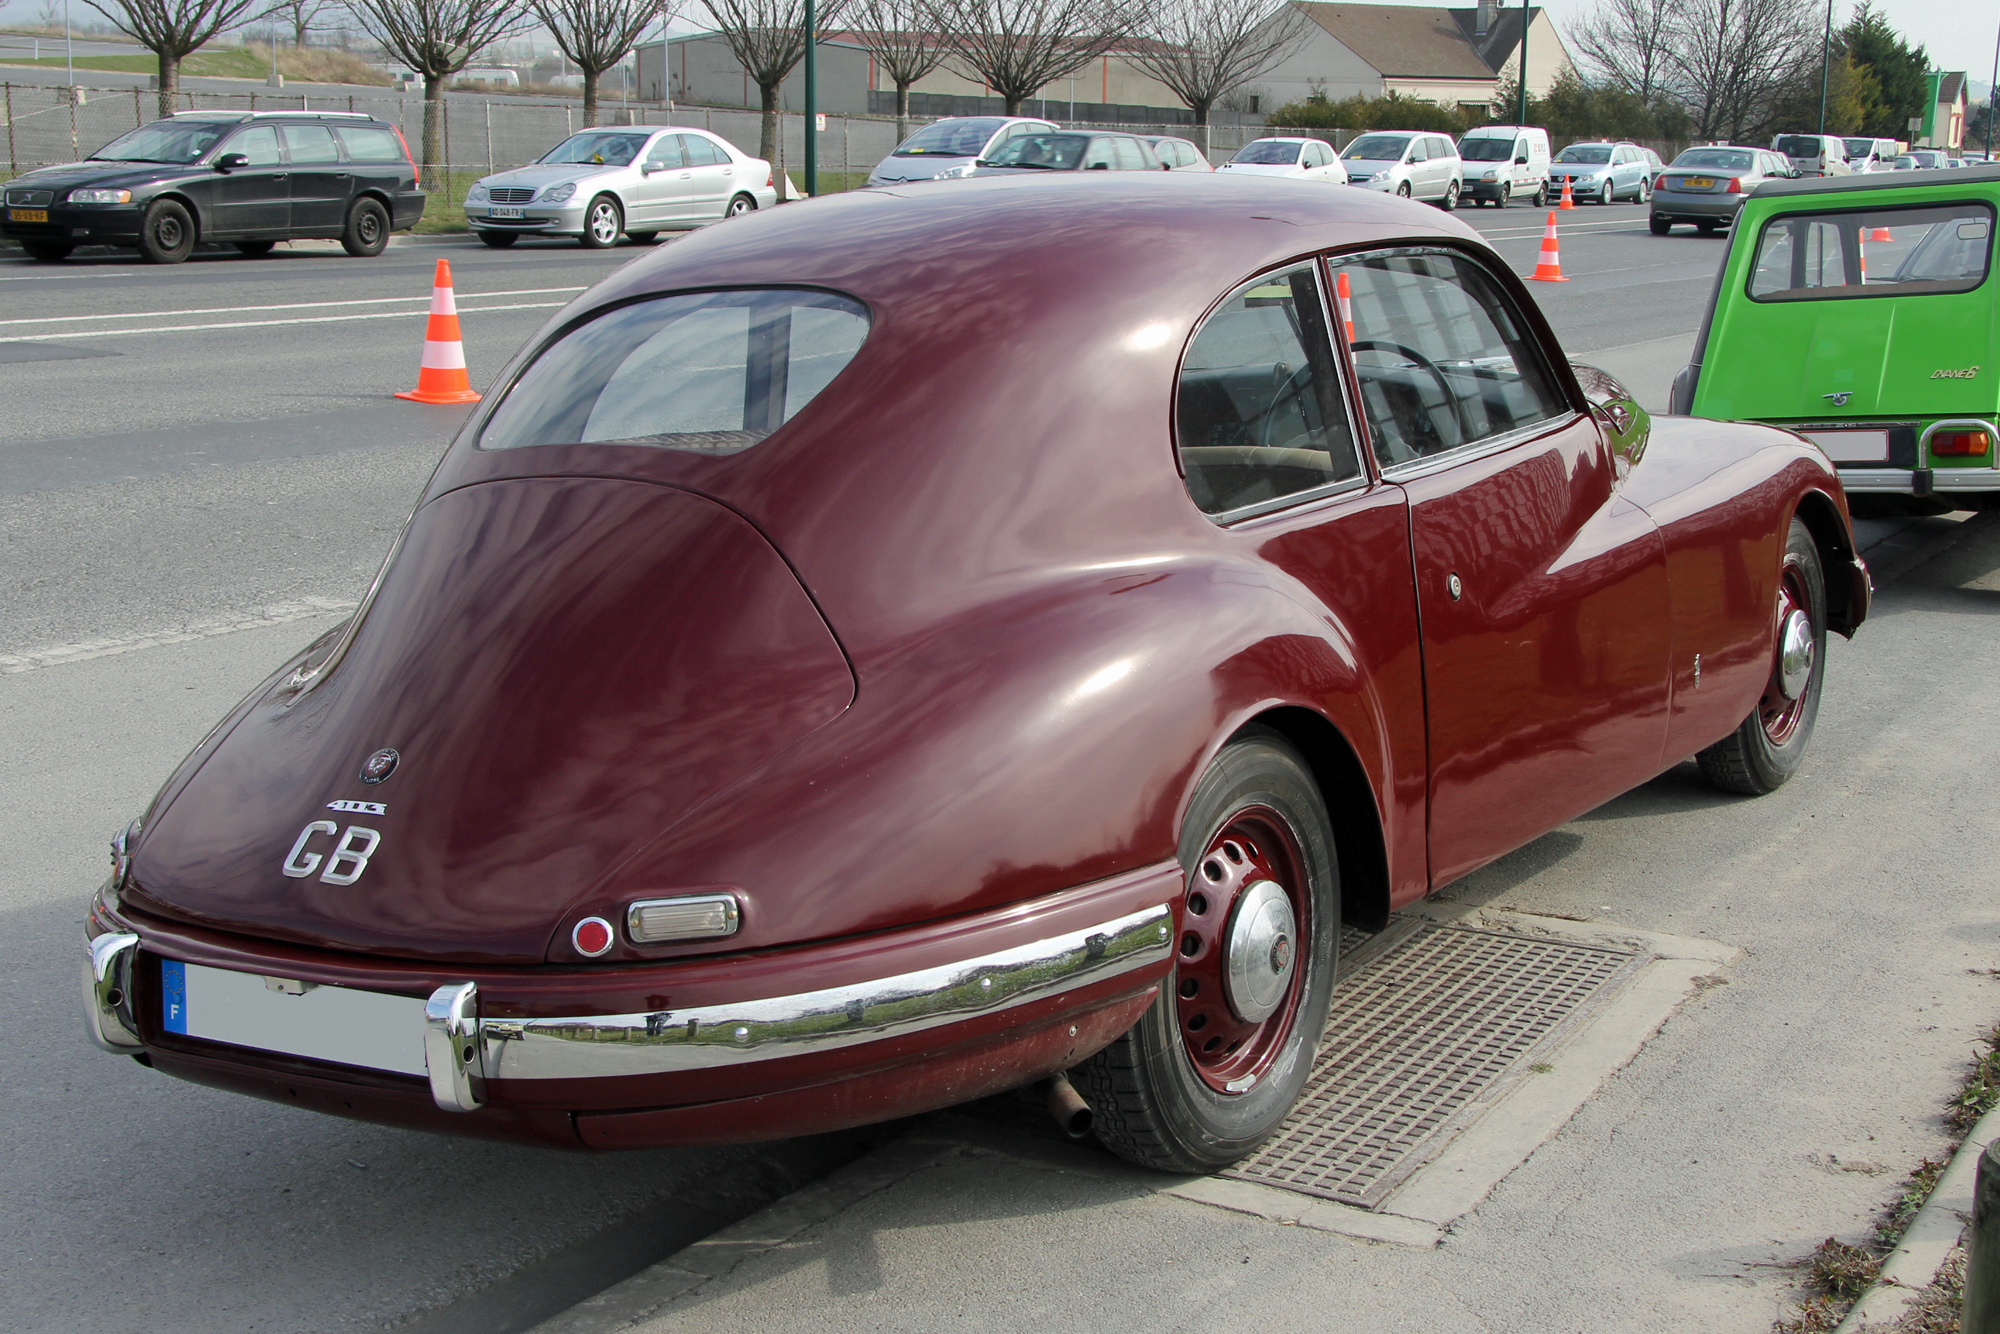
[[1873, 252], [369, 143], [951, 138], [1716, 159], [709, 372], [1268, 153]]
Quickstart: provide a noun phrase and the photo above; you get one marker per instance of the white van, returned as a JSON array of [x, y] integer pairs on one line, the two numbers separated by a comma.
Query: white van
[[1503, 162], [1814, 154], [1865, 155]]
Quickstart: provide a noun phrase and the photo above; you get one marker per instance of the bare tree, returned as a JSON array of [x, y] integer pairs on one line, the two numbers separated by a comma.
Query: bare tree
[[1205, 49], [597, 34], [437, 39], [1629, 41], [1018, 47], [768, 38], [905, 42], [172, 30], [301, 16], [1731, 59]]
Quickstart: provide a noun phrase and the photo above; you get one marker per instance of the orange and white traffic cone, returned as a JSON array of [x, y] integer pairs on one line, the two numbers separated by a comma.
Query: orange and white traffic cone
[[1568, 200], [441, 376], [1880, 234], [1345, 301], [1549, 268], [1861, 255]]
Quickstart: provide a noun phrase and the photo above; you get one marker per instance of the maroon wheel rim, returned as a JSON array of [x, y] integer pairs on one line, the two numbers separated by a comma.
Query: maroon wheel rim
[[1780, 713], [1230, 1054]]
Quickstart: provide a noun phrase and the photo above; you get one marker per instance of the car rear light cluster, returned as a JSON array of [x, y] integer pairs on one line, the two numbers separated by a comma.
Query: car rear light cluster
[[1735, 185], [693, 917], [1660, 181], [1960, 444]]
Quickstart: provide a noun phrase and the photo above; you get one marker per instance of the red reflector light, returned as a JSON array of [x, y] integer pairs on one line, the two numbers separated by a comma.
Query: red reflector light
[[1735, 185], [591, 936], [1959, 444], [1660, 181]]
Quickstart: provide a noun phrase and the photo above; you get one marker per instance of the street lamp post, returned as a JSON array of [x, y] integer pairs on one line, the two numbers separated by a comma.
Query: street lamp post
[[812, 103], [1825, 54], [1991, 98], [1521, 93]]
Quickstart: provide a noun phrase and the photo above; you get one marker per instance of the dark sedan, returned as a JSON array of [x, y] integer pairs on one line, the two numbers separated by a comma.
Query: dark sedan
[[251, 179]]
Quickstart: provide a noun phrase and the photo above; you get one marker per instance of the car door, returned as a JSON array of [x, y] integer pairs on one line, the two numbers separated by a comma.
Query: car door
[[1444, 162], [1416, 172], [255, 199], [665, 188], [321, 182], [714, 175], [1542, 592]]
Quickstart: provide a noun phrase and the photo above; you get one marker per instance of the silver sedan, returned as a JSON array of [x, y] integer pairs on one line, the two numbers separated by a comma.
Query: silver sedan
[[638, 181]]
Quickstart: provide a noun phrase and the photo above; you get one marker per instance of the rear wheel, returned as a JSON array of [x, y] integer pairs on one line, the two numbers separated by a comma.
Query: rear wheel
[[1214, 1066], [1450, 200], [367, 231], [166, 233], [602, 222], [1769, 745], [256, 249], [49, 252], [740, 205], [1660, 225], [499, 240]]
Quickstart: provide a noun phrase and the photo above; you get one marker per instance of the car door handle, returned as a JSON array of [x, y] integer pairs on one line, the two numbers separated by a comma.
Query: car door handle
[[687, 175]]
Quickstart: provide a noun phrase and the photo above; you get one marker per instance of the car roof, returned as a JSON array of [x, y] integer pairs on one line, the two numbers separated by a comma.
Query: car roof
[[236, 117], [1982, 174]]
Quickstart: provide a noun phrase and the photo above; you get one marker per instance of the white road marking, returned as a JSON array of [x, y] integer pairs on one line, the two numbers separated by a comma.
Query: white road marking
[[292, 305], [53, 277], [29, 660], [266, 324]]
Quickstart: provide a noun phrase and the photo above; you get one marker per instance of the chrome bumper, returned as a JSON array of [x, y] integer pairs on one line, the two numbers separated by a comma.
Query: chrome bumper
[[463, 1051], [1902, 481]]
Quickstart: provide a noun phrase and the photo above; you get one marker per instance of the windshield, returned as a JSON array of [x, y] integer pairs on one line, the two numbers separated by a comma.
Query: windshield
[[1485, 150], [1377, 148], [1716, 159], [597, 148], [165, 141], [1799, 145], [1054, 152], [709, 372], [1268, 152], [1816, 256], [1859, 147], [951, 138], [1585, 153]]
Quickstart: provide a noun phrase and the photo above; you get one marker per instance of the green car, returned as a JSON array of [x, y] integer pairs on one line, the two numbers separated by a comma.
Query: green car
[[1861, 312]]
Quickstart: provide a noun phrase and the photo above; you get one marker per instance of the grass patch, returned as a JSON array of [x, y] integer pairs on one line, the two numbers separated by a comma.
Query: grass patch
[[1980, 1093]]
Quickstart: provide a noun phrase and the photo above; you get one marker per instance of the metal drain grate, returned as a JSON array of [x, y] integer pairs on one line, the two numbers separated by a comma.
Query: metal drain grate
[[1416, 1037]]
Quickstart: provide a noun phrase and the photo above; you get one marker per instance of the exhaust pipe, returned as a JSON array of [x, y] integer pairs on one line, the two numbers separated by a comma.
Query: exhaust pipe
[[1067, 1106]]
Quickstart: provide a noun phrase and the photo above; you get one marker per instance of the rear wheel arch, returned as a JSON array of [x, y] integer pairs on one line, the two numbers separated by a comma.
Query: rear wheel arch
[[1350, 804], [1821, 517]]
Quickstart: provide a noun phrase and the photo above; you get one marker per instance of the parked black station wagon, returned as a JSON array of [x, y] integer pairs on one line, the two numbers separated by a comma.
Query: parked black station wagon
[[252, 179]]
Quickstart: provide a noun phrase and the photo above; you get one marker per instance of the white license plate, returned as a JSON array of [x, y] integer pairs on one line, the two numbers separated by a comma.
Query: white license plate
[[506, 212], [1852, 446], [338, 1024]]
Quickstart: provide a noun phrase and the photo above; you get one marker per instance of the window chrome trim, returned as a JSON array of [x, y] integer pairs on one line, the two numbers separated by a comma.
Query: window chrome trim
[[1492, 444], [1263, 508], [744, 1032]]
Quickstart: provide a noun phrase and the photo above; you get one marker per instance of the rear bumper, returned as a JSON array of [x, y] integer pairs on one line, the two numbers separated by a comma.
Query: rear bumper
[[708, 1049], [1903, 481], [1690, 207]]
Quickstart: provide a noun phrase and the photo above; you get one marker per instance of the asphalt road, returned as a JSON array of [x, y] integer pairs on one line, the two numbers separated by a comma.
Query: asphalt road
[[196, 463]]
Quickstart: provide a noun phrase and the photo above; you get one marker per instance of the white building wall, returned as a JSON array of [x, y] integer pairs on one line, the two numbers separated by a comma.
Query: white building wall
[[1318, 62]]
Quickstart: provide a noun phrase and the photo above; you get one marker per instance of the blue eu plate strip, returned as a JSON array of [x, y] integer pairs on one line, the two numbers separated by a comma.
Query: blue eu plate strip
[[173, 995]]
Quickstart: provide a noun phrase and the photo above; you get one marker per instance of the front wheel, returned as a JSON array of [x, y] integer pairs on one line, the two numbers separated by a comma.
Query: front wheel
[[367, 232], [1660, 225], [601, 223], [166, 233], [1645, 195], [1215, 1064], [1604, 194], [499, 240], [1450, 197], [1506, 193], [1542, 195], [1769, 745], [1403, 190], [740, 205]]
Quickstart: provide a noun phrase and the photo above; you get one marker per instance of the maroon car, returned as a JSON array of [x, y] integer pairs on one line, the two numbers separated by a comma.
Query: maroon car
[[901, 647]]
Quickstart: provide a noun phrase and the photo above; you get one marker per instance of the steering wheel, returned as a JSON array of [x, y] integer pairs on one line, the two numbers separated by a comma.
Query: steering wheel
[[1431, 368], [1293, 387]]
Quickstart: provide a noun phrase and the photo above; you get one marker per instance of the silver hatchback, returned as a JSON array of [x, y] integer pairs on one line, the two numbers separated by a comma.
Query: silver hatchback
[[1705, 186], [637, 181]]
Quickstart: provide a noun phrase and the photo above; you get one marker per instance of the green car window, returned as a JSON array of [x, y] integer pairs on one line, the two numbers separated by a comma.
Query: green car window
[[1876, 252]]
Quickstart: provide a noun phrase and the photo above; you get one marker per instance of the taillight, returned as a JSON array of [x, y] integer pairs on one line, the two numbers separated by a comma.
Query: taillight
[[1960, 444], [769, 177], [1735, 185], [1660, 181]]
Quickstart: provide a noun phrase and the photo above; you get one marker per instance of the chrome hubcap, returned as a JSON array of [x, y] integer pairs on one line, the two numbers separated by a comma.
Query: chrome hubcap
[[1258, 945], [1795, 654], [602, 226]]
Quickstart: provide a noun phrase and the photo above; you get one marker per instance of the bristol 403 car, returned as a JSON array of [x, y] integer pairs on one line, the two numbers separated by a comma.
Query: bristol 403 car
[[907, 645]]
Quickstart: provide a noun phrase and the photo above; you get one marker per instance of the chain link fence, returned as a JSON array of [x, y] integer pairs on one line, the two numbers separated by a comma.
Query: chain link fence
[[47, 124]]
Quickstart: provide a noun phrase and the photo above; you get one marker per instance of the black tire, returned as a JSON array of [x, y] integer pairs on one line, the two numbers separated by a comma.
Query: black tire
[[1661, 226], [256, 249], [166, 233], [1645, 194], [602, 222], [1605, 194], [49, 252], [1506, 194], [1403, 190], [367, 232], [1450, 200], [643, 238], [499, 240], [1769, 745], [740, 205], [1152, 1105], [1707, 228], [1542, 195]]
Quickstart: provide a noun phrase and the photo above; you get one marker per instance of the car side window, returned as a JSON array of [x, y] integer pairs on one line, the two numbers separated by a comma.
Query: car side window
[[369, 143], [1418, 152], [703, 151], [667, 152], [1097, 155], [259, 143], [310, 144], [1259, 416], [1130, 156], [1442, 356], [1443, 148]]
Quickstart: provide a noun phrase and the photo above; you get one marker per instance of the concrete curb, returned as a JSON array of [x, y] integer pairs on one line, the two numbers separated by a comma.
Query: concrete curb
[[1928, 1240]]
